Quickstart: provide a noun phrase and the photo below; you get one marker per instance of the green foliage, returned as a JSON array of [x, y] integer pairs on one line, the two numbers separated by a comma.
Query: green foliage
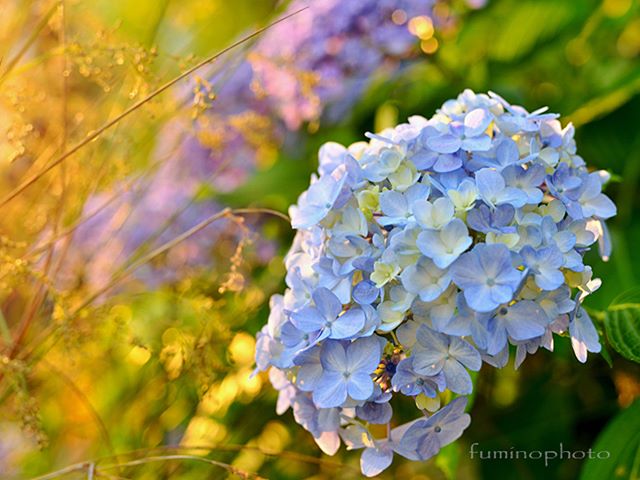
[[621, 439], [622, 324]]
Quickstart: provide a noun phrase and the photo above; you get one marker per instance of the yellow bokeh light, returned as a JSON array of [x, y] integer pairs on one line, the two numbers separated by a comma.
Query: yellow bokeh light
[[249, 384], [274, 438], [242, 348], [220, 396], [429, 46], [204, 432], [175, 414], [421, 27]]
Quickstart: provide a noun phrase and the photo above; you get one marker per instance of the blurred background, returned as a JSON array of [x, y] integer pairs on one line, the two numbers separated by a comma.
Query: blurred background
[[136, 270]]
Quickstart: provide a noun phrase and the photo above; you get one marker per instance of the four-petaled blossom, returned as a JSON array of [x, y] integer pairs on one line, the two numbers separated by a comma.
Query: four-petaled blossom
[[545, 265], [407, 381], [425, 279], [426, 437], [434, 215], [346, 371], [444, 246], [327, 317], [436, 352], [486, 276], [493, 190]]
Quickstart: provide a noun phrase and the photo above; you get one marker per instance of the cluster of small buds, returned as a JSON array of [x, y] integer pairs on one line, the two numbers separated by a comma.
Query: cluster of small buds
[[422, 254]]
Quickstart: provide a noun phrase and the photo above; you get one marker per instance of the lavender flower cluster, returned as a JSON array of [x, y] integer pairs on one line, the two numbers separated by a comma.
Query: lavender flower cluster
[[331, 52], [422, 254], [318, 61], [142, 213]]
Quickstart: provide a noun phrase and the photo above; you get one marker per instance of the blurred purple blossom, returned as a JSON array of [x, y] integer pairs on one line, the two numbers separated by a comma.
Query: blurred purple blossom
[[316, 64]]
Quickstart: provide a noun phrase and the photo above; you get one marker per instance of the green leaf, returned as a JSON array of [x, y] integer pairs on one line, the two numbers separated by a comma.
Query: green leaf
[[621, 442], [622, 324], [629, 297], [623, 331]]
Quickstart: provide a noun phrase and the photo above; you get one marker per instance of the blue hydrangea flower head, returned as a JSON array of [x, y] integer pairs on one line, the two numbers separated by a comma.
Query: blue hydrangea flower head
[[421, 254]]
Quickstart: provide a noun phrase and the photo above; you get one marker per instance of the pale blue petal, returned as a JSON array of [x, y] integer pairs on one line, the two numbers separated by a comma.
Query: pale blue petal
[[329, 442], [331, 390], [501, 293], [584, 336], [458, 379], [365, 292], [467, 272], [444, 143], [376, 413], [477, 144], [308, 319], [497, 336], [601, 207], [476, 122], [327, 303], [427, 362], [347, 325], [333, 357], [447, 163], [525, 320], [360, 385], [507, 152], [480, 299], [364, 354], [454, 429], [490, 183], [464, 352], [549, 279], [375, 460], [393, 204]]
